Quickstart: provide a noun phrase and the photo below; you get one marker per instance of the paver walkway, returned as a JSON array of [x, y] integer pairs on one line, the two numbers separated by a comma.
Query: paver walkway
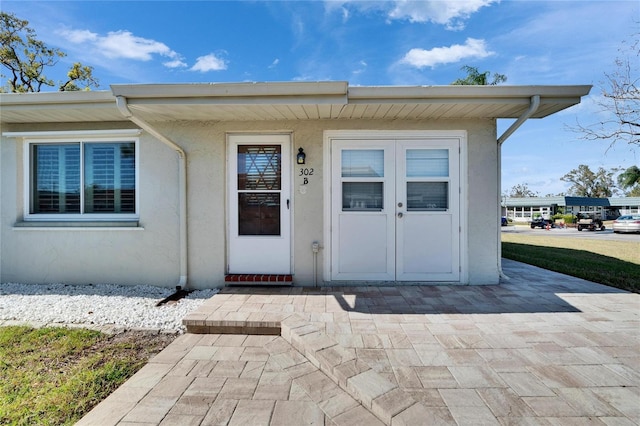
[[541, 348]]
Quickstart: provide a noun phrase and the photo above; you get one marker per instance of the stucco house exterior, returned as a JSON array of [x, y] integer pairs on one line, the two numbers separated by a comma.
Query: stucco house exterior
[[309, 183]]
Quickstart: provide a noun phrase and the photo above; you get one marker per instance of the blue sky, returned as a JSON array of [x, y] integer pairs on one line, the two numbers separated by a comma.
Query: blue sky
[[364, 43]]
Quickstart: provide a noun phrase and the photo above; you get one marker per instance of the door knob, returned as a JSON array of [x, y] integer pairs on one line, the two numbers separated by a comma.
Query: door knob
[[400, 214]]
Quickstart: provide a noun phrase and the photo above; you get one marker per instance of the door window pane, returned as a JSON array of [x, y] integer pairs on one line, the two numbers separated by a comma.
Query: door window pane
[[427, 162], [258, 213], [259, 167], [362, 196], [363, 163], [425, 196]]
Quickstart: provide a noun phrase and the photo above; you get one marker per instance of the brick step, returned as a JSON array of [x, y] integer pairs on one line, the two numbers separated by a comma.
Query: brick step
[[258, 279], [376, 393]]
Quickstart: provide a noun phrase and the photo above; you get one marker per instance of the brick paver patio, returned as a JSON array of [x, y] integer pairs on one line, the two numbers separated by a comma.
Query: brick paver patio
[[541, 348]]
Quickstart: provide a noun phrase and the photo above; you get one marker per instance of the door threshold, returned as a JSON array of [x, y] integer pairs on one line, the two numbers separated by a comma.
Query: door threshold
[[258, 279]]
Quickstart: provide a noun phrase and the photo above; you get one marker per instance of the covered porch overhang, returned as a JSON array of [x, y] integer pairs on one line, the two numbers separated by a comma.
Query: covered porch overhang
[[288, 101]]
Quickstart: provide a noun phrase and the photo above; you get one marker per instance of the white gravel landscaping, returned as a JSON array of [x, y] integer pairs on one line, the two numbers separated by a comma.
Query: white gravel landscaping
[[97, 306]]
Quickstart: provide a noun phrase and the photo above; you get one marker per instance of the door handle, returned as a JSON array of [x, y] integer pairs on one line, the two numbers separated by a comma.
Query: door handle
[[400, 215], [287, 204]]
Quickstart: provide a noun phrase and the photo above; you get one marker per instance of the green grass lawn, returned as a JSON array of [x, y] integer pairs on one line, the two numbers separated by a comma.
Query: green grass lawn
[[613, 263], [53, 376]]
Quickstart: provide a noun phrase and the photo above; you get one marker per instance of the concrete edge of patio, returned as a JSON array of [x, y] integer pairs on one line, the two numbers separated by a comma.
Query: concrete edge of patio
[[384, 399]]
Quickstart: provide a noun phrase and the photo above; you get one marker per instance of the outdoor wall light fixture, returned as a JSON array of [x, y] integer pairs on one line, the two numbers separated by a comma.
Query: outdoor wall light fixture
[[301, 157]]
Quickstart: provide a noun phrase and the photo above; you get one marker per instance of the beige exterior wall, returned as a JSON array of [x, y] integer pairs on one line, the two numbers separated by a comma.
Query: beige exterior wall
[[144, 255], [150, 254]]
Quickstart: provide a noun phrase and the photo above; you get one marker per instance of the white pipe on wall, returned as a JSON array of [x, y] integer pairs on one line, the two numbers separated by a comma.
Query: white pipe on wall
[[121, 103], [534, 104]]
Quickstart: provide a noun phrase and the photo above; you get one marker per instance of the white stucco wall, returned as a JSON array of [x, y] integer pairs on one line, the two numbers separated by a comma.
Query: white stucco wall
[[150, 255], [147, 254]]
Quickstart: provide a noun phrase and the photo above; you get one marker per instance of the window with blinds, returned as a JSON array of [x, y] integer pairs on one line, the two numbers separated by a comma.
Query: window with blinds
[[83, 178], [427, 172], [427, 163], [362, 179], [56, 178], [109, 183]]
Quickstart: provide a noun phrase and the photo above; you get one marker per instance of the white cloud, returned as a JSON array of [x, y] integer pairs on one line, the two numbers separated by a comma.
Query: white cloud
[[79, 36], [124, 45], [274, 63], [451, 14], [176, 63], [421, 58], [448, 13], [208, 63], [362, 67]]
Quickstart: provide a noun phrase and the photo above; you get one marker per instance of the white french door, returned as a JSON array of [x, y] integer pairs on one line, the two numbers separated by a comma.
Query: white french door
[[395, 210], [427, 211], [259, 204]]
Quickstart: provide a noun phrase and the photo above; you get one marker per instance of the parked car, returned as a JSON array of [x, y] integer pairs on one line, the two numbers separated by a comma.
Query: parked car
[[542, 223], [627, 223], [504, 221]]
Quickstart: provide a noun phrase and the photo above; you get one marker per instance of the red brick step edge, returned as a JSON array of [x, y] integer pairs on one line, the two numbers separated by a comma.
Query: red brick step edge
[[258, 278]]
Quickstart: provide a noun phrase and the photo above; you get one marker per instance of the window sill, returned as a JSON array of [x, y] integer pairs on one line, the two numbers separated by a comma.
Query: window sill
[[40, 225]]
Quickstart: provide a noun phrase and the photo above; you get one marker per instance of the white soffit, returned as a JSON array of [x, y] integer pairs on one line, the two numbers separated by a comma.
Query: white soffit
[[287, 101]]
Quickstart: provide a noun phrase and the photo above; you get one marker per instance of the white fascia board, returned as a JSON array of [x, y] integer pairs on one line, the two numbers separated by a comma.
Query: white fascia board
[[74, 134], [482, 93], [231, 90], [8, 100]]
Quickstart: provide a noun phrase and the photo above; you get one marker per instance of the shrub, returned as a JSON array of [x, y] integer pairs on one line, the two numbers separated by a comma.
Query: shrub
[[567, 218]]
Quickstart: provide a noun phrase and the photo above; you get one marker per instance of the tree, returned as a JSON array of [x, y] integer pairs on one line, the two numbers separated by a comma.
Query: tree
[[476, 78], [78, 73], [630, 180], [586, 183], [620, 102], [522, 191], [26, 58]]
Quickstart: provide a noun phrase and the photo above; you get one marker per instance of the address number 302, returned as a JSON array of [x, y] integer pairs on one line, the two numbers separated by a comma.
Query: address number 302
[[306, 172]]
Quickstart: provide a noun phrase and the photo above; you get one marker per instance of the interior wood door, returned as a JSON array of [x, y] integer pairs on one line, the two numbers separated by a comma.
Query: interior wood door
[[259, 204]]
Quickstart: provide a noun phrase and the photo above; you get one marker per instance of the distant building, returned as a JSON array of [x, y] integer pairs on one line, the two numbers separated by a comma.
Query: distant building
[[528, 208]]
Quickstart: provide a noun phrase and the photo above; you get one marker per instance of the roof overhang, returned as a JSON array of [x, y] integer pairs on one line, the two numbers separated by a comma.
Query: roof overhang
[[58, 107], [287, 101]]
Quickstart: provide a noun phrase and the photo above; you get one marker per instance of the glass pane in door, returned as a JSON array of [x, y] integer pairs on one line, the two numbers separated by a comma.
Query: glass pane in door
[[362, 196], [259, 213], [259, 186], [362, 163], [259, 167], [427, 196], [427, 162]]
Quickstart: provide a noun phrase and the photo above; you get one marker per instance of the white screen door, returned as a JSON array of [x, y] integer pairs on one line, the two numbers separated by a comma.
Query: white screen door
[[259, 204], [395, 210]]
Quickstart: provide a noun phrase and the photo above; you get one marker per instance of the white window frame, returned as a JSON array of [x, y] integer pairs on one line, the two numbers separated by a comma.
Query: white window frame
[[82, 138]]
